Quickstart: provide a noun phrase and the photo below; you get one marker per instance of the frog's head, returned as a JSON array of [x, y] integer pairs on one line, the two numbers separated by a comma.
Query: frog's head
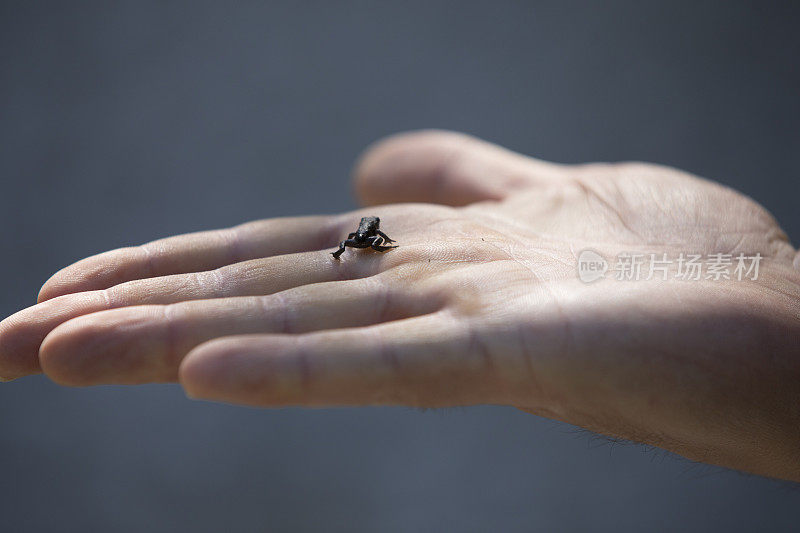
[[368, 225]]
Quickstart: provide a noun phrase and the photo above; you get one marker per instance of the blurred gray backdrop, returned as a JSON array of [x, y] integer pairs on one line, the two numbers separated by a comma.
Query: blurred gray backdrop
[[125, 122]]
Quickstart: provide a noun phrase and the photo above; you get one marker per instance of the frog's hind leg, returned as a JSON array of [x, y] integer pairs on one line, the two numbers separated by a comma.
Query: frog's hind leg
[[376, 244], [385, 237]]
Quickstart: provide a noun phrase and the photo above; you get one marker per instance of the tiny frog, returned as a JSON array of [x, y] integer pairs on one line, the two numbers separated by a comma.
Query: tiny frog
[[366, 236]]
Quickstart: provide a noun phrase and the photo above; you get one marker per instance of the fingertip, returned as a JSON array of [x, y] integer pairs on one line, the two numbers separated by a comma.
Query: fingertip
[[245, 369], [123, 346], [17, 348], [221, 369], [62, 352], [77, 277], [397, 168], [445, 167], [22, 334], [97, 272], [197, 371], [43, 293], [51, 288], [377, 154]]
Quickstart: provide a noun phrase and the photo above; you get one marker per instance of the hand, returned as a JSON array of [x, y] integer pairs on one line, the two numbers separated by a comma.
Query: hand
[[479, 304]]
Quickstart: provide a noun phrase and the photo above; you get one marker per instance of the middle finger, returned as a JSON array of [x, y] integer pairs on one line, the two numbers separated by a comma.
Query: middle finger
[[140, 344]]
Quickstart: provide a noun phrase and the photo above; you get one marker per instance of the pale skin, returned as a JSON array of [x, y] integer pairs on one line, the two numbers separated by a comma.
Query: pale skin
[[480, 303]]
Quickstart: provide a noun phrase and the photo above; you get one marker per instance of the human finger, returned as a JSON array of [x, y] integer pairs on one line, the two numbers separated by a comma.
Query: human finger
[[446, 168], [22, 333], [428, 360], [196, 252], [146, 343]]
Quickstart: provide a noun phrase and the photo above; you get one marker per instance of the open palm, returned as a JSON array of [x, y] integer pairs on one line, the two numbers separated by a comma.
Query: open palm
[[480, 303]]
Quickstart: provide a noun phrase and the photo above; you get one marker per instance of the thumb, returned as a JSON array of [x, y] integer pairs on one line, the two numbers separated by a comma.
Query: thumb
[[444, 167]]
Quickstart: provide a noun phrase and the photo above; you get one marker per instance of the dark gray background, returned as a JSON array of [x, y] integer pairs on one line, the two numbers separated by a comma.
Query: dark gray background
[[120, 123]]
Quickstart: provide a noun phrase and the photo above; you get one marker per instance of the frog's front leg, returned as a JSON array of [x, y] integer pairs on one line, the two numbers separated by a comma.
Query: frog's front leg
[[340, 251]]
